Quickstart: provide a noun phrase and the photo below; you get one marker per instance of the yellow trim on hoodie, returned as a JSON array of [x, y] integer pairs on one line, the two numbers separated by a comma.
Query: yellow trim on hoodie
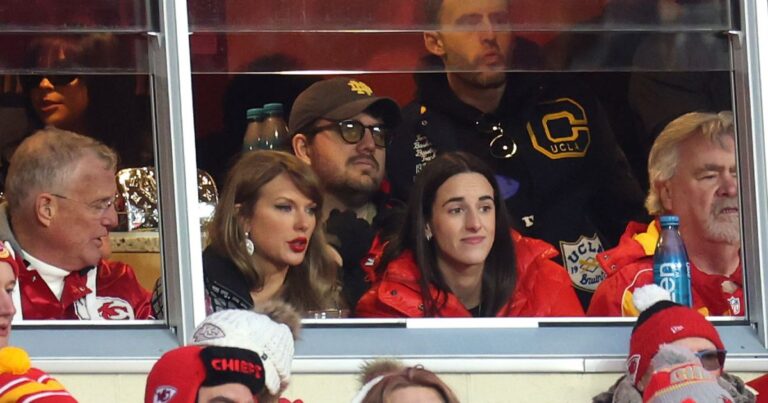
[[648, 239]]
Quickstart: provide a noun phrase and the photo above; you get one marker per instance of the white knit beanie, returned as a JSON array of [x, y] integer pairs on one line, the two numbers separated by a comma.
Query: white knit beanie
[[249, 330]]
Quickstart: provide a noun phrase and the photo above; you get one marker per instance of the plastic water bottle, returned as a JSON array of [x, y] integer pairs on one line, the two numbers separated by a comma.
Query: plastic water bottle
[[254, 129], [671, 269], [275, 133]]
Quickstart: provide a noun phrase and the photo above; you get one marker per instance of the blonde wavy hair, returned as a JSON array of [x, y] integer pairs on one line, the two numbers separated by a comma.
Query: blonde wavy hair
[[663, 158], [309, 286]]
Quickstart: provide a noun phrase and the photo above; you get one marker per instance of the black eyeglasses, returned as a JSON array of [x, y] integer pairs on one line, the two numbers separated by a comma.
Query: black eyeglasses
[[502, 146], [711, 360], [31, 81], [352, 131]]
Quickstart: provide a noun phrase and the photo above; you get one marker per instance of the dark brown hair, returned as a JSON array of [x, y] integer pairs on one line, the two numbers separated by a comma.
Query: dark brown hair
[[499, 272]]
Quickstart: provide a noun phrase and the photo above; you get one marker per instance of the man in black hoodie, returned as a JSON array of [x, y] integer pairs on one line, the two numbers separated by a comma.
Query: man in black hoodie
[[564, 178]]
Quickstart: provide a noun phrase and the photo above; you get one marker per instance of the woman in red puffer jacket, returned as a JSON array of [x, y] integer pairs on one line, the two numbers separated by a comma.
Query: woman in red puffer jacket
[[450, 261]]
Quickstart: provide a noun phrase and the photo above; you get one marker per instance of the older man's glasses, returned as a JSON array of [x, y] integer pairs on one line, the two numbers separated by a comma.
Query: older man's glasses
[[352, 131], [99, 206], [32, 81], [502, 145], [711, 360]]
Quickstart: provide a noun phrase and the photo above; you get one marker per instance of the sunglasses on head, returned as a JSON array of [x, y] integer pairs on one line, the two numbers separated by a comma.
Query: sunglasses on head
[[502, 145], [32, 81], [352, 131], [711, 360]]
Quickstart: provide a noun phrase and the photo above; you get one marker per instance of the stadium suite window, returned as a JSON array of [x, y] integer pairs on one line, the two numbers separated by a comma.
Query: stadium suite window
[[589, 44]]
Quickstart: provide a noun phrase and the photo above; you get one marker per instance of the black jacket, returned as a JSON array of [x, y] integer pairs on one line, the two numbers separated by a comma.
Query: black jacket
[[568, 183], [225, 286]]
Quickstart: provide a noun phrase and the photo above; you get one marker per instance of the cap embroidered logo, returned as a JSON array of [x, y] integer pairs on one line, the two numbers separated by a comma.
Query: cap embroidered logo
[[235, 365], [208, 331], [164, 394], [360, 87], [676, 329]]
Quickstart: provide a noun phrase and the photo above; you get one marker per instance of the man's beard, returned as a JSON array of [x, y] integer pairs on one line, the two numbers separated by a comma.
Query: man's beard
[[484, 79], [723, 227], [475, 76], [352, 190]]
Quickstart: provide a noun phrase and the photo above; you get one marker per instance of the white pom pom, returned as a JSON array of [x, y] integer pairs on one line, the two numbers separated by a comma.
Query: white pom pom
[[644, 297]]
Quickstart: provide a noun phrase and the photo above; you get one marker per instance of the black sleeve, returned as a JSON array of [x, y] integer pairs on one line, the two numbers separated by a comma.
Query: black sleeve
[[352, 237], [616, 196], [401, 159]]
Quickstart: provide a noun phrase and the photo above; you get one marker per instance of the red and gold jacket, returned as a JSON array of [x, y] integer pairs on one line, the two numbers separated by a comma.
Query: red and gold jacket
[[108, 291], [630, 265], [543, 288]]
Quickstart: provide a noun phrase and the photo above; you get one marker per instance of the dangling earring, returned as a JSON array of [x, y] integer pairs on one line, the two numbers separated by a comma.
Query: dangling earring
[[427, 233], [248, 243]]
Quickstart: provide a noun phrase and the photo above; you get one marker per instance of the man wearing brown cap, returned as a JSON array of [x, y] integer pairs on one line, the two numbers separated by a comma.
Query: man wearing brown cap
[[342, 129]]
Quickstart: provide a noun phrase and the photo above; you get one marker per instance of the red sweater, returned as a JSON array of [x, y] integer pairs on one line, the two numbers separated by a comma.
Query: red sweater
[[543, 288]]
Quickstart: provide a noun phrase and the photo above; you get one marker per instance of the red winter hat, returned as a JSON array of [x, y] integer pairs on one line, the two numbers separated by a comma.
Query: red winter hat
[[662, 323], [7, 256], [178, 375]]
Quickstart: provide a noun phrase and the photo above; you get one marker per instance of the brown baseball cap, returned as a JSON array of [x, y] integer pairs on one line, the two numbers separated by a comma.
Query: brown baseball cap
[[337, 99]]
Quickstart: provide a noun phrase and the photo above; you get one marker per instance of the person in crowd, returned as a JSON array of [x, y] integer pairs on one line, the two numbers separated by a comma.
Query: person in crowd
[[387, 381], [457, 257], [679, 376], [19, 382], [692, 170], [265, 243], [559, 168], [661, 322], [60, 206], [105, 107], [261, 343], [341, 129]]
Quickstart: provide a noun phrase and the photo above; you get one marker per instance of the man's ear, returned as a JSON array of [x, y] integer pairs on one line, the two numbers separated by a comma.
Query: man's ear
[[45, 209], [664, 190], [300, 144], [434, 43]]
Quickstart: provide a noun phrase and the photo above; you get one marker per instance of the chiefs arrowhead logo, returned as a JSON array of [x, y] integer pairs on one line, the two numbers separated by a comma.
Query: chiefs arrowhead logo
[[114, 309], [164, 394]]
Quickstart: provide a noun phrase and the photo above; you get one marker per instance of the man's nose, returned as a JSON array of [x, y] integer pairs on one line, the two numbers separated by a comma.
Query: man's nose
[[367, 143], [487, 30], [109, 218], [729, 185]]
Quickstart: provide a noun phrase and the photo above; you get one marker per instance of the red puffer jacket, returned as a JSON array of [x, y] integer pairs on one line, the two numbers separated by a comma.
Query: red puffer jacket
[[630, 265], [543, 288]]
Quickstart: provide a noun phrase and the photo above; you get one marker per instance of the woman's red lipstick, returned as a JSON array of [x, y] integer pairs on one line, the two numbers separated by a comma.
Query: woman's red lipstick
[[298, 245]]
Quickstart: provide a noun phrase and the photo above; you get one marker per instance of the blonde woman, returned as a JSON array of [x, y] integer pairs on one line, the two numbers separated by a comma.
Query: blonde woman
[[265, 240]]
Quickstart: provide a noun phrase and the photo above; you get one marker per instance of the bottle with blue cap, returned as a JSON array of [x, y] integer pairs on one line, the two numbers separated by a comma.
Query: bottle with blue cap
[[254, 129], [671, 269]]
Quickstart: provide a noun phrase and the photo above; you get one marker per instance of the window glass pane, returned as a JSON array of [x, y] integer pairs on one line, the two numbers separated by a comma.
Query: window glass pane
[[94, 83], [90, 15], [627, 68]]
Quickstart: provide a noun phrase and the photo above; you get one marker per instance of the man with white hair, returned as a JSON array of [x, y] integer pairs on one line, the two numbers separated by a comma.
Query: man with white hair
[[692, 170], [61, 191]]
